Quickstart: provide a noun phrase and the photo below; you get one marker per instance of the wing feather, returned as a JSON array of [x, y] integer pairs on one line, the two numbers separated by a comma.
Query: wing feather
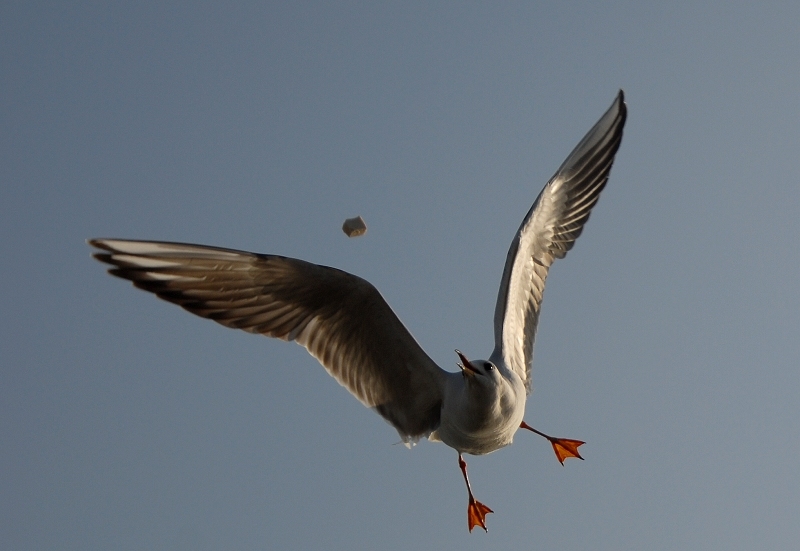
[[341, 319], [548, 232]]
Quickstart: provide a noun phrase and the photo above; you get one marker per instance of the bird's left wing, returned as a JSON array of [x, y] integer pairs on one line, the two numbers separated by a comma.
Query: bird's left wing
[[548, 231], [341, 319]]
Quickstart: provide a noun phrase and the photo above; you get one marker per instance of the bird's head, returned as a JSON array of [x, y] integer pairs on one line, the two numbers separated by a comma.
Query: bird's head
[[482, 372], [490, 394]]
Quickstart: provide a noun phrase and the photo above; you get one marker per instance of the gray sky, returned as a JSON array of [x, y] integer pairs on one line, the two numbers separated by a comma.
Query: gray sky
[[669, 335]]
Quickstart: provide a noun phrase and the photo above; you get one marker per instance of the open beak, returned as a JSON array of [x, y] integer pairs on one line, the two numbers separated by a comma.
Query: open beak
[[466, 367]]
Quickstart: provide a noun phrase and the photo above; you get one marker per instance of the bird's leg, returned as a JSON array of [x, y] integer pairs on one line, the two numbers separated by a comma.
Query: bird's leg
[[476, 511], [563, 447]]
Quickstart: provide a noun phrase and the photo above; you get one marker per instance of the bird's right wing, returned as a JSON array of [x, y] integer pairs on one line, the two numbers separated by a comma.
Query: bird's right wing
[[549, 230], [341, 319]]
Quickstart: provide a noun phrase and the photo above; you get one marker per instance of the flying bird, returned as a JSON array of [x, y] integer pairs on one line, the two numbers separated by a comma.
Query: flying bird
[[344, 322]]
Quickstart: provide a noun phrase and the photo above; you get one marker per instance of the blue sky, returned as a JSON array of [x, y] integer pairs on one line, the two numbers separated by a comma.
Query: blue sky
[[668, 337]]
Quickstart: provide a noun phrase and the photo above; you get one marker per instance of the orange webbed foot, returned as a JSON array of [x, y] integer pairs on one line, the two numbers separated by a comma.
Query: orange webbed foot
[[476, 514], [563, 447], [566, 448]]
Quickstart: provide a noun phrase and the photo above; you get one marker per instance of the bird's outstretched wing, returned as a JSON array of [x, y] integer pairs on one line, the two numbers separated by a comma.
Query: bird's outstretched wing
[[549, 230], [341, 319]]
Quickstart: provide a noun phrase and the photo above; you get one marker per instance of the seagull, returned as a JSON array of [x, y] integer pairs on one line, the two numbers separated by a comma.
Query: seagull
[[344, 322]]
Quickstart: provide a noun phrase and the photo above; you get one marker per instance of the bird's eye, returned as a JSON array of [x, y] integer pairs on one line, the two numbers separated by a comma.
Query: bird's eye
[[488, 366]]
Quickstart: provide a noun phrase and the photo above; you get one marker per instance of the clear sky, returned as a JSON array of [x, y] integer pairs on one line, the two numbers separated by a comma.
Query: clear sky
[[669, 335]]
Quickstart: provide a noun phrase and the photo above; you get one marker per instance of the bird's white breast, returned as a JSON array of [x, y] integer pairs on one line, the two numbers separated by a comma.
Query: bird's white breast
[[479, 423]]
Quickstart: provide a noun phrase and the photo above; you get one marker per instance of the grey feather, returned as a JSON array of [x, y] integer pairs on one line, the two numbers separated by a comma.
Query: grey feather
[[341, 319], [548, 232]]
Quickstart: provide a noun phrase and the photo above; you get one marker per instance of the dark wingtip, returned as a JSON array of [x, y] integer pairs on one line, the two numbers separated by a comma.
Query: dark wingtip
[[623, 107], [98, 243], [103, 256]]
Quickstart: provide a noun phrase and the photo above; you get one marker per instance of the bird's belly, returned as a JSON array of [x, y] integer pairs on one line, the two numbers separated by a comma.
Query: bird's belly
[[489, 437], [472, 445]]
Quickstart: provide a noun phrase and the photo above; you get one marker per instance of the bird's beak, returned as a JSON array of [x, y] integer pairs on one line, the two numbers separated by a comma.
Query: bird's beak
[[466, 367]]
